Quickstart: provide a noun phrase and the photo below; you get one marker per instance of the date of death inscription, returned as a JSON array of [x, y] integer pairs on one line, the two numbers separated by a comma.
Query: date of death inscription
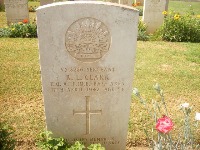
[[87, 80]]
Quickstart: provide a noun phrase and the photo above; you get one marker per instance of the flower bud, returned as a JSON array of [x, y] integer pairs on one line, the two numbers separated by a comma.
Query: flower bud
[[157, 87]]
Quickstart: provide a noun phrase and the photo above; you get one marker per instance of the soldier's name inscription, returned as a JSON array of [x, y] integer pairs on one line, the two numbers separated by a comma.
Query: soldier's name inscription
[[95, 79]]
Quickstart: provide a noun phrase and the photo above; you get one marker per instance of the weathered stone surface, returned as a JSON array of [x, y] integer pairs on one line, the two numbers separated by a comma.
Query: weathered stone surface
[[16, 10], [87, 52], [152, 14]]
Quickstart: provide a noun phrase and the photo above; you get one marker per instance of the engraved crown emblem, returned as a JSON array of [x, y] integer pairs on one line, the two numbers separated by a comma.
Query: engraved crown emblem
[[87, 39]]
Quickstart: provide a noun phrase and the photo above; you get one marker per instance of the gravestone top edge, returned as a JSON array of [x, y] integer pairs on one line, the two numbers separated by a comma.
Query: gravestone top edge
[[87, 3]]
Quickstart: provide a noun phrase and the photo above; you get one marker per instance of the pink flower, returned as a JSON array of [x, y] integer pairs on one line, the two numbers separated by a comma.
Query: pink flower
[[164, 124]]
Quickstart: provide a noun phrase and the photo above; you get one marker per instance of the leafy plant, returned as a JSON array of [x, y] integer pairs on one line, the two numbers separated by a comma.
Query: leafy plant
[[140, 11], [96, 147], [20, 29], [47, 142], [76, 146], [164, 125], [6, 140], [142, 32], [2, 7], [180, 28]]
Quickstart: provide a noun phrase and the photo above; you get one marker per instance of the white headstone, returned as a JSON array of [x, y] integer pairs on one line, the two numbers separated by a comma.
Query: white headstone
[[45, 2], [152, 14], [16, 10], [87, 52]]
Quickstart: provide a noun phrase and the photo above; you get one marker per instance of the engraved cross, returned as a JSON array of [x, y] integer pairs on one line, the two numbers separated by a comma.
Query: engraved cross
[[87, 112]]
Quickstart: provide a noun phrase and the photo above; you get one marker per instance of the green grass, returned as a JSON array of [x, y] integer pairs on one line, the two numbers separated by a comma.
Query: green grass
[[184, 7], [193, 54], [20, 91], [170, 64]]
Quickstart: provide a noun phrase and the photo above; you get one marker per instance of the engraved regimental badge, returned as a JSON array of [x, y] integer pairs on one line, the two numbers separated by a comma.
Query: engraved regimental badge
[[87, 39]]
